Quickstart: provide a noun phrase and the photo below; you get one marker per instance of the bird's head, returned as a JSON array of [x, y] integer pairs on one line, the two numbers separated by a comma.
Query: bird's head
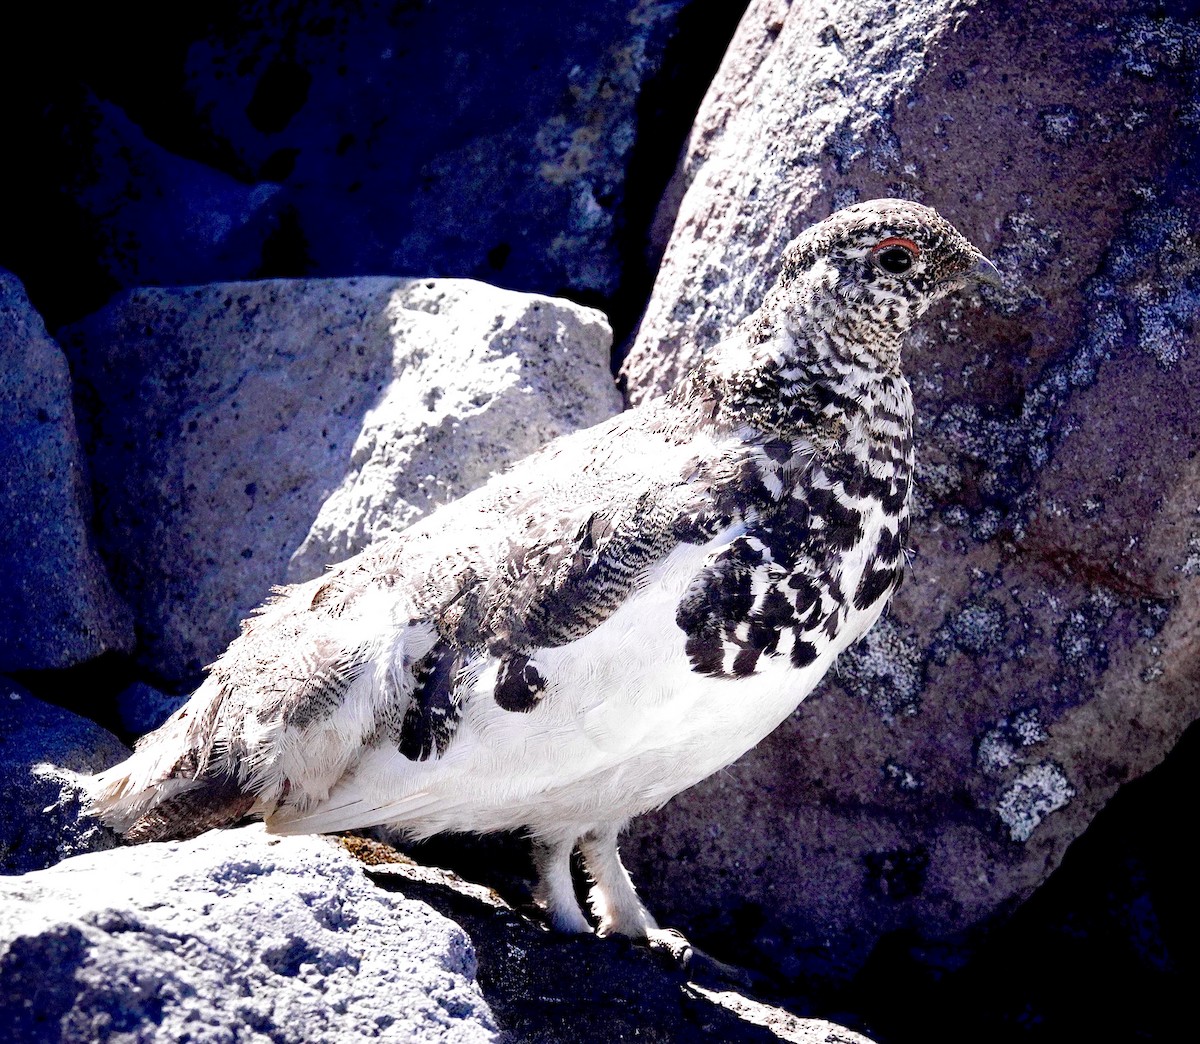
[[867, 273]]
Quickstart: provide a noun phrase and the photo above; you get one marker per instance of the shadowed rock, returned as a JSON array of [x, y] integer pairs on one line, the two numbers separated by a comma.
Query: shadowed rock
[[290, 939], [245, 433], [43, 752], [1043, 650], [57, 607], [544, 986], [284, 940]]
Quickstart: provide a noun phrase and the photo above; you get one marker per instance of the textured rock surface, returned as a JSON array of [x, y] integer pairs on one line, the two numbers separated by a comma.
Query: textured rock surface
[[1104, 950], [482, 377], [43, 750], [419, 138], [1044, 649], [57, 606], [233, 424], [233, 936], [551, 988]]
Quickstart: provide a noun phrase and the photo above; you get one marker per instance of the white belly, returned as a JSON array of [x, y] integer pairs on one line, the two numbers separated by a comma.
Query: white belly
[[624, 724], [652, 723]]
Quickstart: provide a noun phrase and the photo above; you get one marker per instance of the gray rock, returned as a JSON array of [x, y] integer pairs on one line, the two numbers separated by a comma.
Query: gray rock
[[156, 218], [232, 427], [1042, 651], [142, 708], [232, 936], [488, 376], [57, 606], [547, 987], [490, 140], [43, 751]]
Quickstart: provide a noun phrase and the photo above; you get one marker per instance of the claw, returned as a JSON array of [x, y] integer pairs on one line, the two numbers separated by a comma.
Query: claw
[[673, 945], [696, 965]]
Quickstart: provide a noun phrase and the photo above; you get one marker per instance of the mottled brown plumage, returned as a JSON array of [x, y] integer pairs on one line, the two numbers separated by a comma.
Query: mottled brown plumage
[[607, 623]]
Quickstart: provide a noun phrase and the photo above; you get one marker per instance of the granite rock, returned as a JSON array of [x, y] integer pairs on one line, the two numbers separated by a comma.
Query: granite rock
[[232, 936], [57, 606], [483, 377], [248, 433], [490, 140], [141, 708], [43, 752], [1043, 649]]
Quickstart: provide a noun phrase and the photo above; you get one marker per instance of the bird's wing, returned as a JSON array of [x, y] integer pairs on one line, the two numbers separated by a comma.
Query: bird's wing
[[538, 559], [375, 652], [765, 592], [547, 571]]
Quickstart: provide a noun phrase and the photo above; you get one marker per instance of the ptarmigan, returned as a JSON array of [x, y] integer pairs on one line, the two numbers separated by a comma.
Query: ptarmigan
[[612, 620]]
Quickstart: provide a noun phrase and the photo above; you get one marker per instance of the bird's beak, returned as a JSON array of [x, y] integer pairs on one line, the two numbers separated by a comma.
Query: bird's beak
[[985, 272]]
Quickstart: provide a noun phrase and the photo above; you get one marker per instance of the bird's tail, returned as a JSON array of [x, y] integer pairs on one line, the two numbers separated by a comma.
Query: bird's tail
[[171, 788]]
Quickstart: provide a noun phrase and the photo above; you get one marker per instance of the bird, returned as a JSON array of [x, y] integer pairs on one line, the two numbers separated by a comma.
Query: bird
[[605, 624]]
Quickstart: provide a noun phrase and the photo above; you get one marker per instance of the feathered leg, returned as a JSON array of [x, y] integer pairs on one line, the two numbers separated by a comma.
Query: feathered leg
[[555, 892], [613, 898], [615, 902]]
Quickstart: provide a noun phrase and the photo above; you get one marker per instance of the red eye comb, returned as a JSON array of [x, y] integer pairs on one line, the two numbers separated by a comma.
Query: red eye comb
[[892, 241]]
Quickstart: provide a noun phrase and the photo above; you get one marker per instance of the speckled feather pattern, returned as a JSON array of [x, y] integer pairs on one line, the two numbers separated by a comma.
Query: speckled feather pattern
[[604, 624]]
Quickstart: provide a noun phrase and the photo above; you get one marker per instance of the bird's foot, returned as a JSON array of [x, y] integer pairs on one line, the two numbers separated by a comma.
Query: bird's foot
[[697, 966], [568, 920], [672, 947], [633, 922]]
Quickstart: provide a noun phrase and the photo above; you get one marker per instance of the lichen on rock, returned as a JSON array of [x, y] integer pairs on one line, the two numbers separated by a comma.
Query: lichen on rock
[[1031, 797]]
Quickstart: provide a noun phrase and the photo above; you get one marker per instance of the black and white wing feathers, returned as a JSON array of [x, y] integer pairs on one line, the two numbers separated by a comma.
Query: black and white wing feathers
[[379, 650]]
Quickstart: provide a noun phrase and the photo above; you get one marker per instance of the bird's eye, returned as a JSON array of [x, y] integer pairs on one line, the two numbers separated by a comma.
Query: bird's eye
[[895, 255]]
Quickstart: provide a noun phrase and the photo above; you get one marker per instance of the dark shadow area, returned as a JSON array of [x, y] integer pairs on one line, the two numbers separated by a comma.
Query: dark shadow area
[[1107, 949], [116, 159], [89, 689], [666, 110], [501, 862], [547, 987], [33, 1003], [51, 60]]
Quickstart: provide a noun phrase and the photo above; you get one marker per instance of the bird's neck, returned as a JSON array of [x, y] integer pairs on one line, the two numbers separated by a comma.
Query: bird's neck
[[852, 424], [813, 385]]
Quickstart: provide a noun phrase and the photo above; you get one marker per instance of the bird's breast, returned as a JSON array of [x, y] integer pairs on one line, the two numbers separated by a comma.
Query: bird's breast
[[627, 719], [634, 711]]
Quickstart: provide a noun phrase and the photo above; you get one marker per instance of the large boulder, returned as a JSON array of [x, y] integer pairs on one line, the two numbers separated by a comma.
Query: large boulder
[[522, 143], [1043, 650], [57, 607], [243, 434], [43, 752], [233, 936], [487, 140]]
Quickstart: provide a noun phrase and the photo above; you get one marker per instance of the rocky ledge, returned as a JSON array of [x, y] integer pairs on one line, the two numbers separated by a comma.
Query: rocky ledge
[[240, 936]]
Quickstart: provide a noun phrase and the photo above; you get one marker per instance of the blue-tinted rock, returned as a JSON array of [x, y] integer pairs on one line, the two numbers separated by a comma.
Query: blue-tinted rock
[[488, 140], [142, 708], [1055, 528], [232, 936], [57, 606], [43, 751], [157, 218]]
